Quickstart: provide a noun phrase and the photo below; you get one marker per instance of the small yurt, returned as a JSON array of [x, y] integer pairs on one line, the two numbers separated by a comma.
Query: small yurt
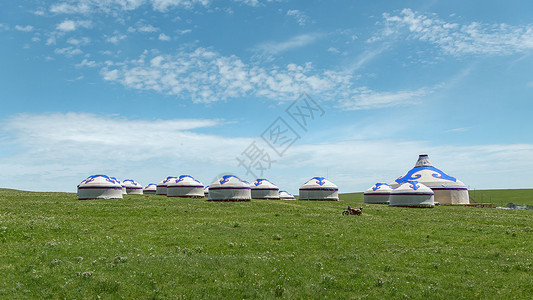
[[378, 194], [264, 189], [319, 189], [229, 188], [412, 194], [132, 187], [206, 191], [99, 187], [161, 188], [284, 195], [150, 189], [448, 190], [185, 186]]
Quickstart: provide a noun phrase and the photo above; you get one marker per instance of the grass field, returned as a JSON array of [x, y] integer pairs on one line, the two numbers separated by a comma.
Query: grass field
[[54, 246]]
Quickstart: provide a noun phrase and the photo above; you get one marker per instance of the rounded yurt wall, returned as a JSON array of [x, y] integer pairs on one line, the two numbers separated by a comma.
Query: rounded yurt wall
[[264, 189], [161, 188], [132, 187], [150, 189], [377, 194], [412, 194], [185, 186]]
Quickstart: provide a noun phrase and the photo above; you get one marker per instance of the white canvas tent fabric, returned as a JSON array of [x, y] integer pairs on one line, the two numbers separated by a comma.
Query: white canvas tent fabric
[[229, 188], [320, 189], [185, 186], [448, 190], [377, 194], [161, 188], [150, 189], [206, 191], [284, 195], [132, 187], [121, 184], [412, 194], [264, 189], [99, 187]]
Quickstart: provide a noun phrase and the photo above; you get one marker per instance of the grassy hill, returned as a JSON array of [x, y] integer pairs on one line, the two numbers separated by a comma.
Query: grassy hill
[[54, 246]]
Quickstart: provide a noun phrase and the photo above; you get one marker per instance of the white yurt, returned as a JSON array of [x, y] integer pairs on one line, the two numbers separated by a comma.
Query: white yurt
[[185, 186], [132, 187], [150, 189], [377, 194], [121, 184], [412, 194], [264, 189], [448, 190], [284, 195], [99, 187], [206, 191], [320, 189], [161, 188], [229, 188]]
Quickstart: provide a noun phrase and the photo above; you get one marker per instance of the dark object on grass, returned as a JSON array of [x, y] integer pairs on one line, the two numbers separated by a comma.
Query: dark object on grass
[[352, 211]]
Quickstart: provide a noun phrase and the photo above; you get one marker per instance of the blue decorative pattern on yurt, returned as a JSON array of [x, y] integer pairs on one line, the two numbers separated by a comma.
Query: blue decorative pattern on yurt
[[93, 177], [226, 178], [319, 180], [182, 177], [377, 186], [259, 181], [412, 176]]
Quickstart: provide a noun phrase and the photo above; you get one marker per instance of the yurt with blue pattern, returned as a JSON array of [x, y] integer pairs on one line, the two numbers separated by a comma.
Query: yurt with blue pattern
[[412, 194], [229, 188], [133, 187], [264, 189], [161, 188], [319, 189], [150, 189], [448, 190], [185, 186], [99, 187], [377, 194]]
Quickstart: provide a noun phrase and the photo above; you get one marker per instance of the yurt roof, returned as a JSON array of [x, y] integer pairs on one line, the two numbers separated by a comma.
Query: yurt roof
[[379, 188], [165, 181], [412, 188], [263, 184], [130, 183], [185, 180], [229, 181], [425, 172], [100, 181], [319, 183], [285, 194], [151, 186]]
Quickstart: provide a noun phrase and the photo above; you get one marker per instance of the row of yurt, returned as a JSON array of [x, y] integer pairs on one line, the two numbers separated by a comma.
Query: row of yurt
[[424, 179], [227, 188]]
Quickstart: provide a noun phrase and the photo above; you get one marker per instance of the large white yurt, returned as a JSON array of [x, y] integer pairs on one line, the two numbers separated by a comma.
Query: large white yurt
[[185, 186], [161, 188], [264, 189], [206, 191], [320, 189], [448, 190], [229, 188], [377, 194], [99, 187], [150, 189], [284, 195], [132, 187], [412, 194], [121, 184]]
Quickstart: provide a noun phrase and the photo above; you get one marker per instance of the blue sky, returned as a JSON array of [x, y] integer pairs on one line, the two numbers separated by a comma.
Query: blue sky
[[145, 89]]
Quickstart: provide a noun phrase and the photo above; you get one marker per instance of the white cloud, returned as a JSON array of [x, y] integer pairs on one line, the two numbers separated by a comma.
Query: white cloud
[[68, 51], [272, 48], [79, 42], [27, 28], [147, 28], [86, 63], [459, 39], [164, 37], [116, 38], [70, 25], [300, 16], [206, 76], [4, 27], [369, 99]]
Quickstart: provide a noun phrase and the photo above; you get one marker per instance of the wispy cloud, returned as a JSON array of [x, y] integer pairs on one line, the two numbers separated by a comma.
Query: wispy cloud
[[68, 51], [300, 16], [27, 28], [164, 37], [459, 39], [206, 76], [70, 25], [369, 99], [272, 48]]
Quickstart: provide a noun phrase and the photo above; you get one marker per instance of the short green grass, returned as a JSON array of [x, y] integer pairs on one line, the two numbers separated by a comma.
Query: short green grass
[[54, 246], [502, 197]]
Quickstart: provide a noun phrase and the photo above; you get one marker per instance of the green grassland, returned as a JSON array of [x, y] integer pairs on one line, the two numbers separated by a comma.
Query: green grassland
[[54, 246]]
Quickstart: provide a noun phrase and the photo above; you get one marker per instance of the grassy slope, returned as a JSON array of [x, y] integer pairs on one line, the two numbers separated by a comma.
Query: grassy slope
[[502, 197], [53, 246]]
